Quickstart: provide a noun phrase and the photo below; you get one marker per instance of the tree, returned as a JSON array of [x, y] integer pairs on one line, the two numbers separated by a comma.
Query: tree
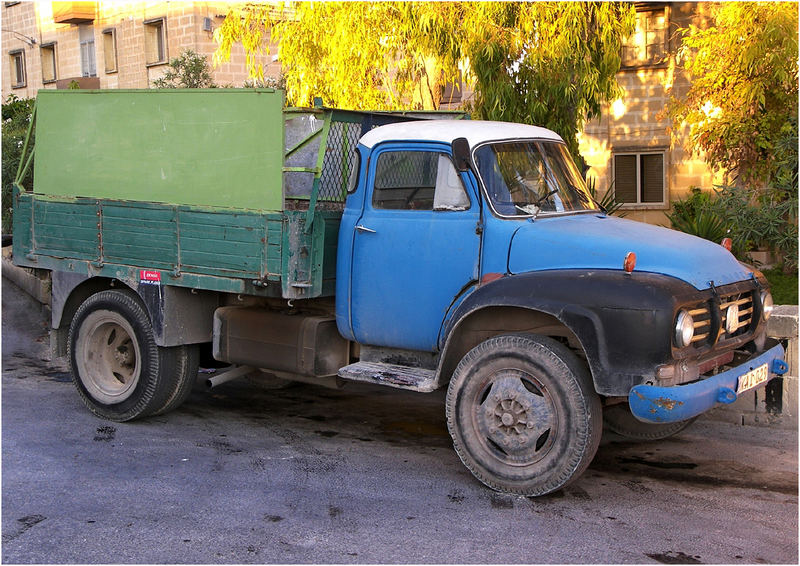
[[552, 64], [17, 114], [188, 70], [546, 63], [743, 94]]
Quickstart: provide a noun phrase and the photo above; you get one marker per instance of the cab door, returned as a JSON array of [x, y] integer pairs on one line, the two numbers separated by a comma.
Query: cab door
[[416, 247]]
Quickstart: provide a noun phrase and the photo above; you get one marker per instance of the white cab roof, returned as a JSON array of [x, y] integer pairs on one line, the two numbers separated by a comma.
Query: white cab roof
[[476, 132]]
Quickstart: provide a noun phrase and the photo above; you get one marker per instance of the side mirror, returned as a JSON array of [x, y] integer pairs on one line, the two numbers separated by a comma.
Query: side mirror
[[461, 156]]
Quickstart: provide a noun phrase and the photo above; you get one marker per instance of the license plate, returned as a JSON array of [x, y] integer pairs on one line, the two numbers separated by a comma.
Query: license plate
[[753, 378]]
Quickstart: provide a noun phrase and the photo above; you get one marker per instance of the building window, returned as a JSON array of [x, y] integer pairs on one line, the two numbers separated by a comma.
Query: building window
[[648, 44], [49, 68], [88, 57], [17, 58], [110, 50], [639, 178], [155, 44]]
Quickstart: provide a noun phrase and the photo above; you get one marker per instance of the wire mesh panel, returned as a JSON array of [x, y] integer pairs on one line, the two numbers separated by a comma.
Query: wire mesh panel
[[320, 146], [340, 158], [297, 184]]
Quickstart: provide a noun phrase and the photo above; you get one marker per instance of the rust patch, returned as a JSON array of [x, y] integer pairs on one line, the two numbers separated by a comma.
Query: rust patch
[[667, 404]]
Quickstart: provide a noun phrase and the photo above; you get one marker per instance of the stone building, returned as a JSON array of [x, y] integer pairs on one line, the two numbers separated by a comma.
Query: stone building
[[113, 44], [629, 147], [109, 44]]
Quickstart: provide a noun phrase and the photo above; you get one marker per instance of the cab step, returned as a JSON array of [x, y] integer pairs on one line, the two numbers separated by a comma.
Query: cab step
[[402, 377]]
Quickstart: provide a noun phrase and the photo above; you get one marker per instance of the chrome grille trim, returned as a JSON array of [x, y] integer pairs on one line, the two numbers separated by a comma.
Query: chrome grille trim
[[701, 313]]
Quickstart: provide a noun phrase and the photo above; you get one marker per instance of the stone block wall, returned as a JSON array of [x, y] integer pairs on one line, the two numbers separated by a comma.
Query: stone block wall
[[777, 403]]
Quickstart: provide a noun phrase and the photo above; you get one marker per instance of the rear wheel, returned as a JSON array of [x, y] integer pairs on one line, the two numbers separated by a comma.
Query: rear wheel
[[117, 368], [184, 363], [619, 419], [523, 414]]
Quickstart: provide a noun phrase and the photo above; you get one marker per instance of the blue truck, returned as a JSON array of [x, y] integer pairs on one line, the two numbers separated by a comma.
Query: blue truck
[[415, 251]]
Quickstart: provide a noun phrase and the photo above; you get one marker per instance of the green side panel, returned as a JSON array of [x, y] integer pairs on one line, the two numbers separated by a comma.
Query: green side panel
[[274, 249], [309, 260], [66, 229], [218, 242], [216, 147], [329, 247], [140, 235], [23, 204]]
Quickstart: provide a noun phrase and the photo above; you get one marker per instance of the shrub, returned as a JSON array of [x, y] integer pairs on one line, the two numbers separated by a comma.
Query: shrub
[[16, 114]]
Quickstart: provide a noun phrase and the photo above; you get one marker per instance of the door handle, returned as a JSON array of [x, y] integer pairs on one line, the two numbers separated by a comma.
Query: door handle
[[362, 228]]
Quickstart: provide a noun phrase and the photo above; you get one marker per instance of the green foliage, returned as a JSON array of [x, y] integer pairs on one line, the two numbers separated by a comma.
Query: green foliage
[[188, 70], [744, 89], [609, 201], [742, 113], [551, 64], [753, 220], [267, 82], [783, 286], [758, 220], [16, 119], [703, 224], [693, 215]]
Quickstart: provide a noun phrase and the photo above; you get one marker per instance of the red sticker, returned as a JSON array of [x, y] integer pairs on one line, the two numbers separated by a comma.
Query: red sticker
[[149, 277]]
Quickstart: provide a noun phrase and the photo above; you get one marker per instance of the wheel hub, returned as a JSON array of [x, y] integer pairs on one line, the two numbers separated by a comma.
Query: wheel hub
[[514, 418], [107, 357]]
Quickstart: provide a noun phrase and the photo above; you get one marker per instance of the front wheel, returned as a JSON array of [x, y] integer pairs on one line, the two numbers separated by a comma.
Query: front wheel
[[523, 414], [117, 368]]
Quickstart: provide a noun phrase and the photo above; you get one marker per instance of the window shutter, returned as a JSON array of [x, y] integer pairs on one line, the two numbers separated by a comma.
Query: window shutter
[[652, 177], [625, 178]]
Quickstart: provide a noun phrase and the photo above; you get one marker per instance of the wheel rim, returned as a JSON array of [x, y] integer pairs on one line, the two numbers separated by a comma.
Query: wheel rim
[[515, 417], [108, 357]]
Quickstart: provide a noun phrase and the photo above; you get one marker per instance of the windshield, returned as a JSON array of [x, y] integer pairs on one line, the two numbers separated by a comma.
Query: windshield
[[525, 178]]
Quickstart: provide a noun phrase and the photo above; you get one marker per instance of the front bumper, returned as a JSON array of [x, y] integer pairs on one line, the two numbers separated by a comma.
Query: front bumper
[[653, 404]]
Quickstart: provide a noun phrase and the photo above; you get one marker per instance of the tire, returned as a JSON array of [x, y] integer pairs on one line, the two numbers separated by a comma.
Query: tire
[[619, 419], [185, 360], [119, 371], [523, 414]]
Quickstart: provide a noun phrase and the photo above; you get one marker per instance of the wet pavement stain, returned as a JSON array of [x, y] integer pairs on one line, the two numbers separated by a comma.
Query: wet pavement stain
[[59, 376], [662, 465], [671, 557], [105, 434], [500, 501], [705, 474], [456, 496], [326, 433], [24, 524]]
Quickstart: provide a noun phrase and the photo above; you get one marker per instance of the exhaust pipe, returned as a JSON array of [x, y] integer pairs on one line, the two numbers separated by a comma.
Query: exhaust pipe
[[227, 376]]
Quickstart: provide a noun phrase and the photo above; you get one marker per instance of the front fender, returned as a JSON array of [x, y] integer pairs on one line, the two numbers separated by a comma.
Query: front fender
[[622, 321]]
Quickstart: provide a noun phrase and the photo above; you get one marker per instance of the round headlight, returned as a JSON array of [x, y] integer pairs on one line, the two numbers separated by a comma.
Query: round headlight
[[766, 304], [732, 318], [684, 329]]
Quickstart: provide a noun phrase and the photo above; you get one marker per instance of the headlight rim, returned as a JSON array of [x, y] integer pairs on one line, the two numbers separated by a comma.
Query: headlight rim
[[767, 304], [684, 329]]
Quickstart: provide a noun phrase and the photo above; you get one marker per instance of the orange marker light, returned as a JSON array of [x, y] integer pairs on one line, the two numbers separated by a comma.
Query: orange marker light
[[726, 243], [630, 262]]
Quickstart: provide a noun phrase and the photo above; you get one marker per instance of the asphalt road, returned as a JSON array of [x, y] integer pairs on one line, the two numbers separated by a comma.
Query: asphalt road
[[358, 475]]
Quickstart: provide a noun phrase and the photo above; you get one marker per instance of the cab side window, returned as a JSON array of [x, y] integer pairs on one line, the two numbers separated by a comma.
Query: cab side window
[[417, 180]]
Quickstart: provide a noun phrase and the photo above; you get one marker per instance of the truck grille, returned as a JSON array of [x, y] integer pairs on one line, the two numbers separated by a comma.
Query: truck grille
[[711, 331]]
